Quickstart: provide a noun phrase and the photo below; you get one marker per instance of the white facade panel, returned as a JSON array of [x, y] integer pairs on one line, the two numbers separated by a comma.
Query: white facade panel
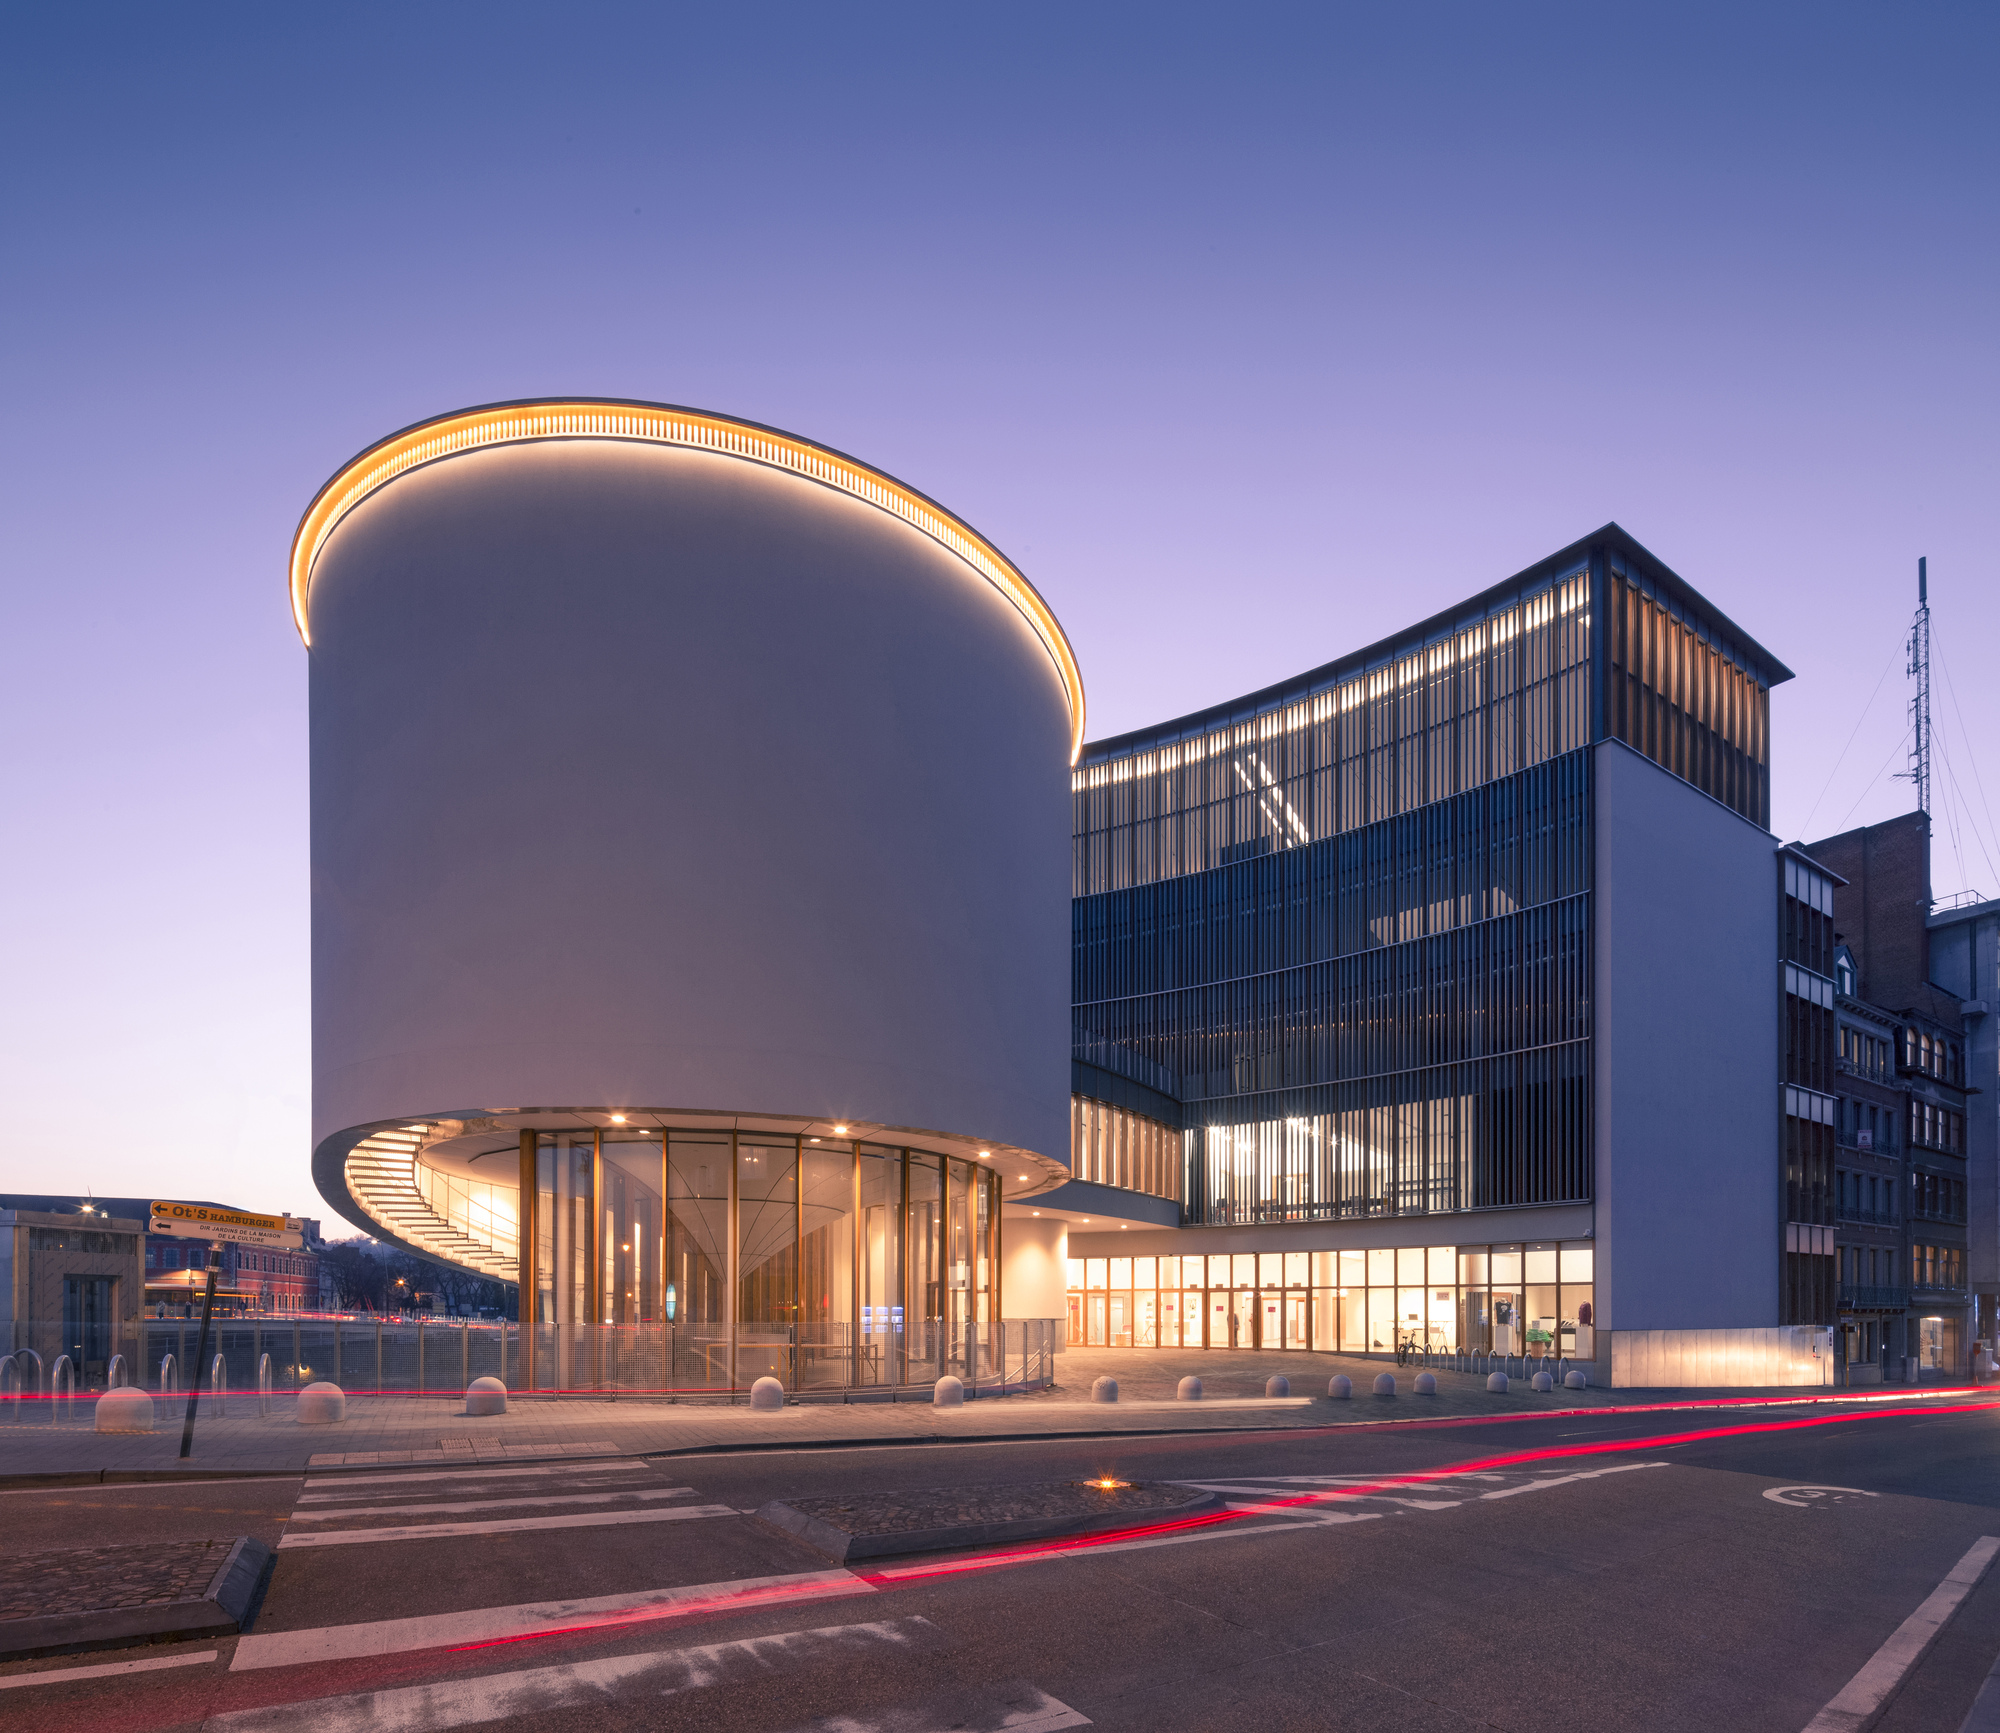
[[1687, 1058], [657, 778]]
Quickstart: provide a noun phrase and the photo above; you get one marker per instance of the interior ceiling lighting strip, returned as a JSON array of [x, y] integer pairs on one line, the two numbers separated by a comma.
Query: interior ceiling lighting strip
[[661, 424]]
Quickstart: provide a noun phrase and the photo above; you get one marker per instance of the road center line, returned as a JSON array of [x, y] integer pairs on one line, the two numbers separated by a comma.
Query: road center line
[[1886, 1669]]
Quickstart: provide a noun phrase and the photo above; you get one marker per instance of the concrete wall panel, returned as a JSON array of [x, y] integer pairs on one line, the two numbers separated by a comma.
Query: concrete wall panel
[[1687, 1056], [655, 777]]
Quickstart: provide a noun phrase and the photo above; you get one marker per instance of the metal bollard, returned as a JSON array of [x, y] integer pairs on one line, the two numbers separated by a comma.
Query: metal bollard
[[168, 1375], [62, 1389], [264, 1387], [218, 1387], [115, 1375]]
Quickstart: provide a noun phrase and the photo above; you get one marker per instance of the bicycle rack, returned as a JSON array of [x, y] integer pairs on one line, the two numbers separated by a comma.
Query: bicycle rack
[[18, 1363], [169, 1375], [62, 1389], [264, 1388], [115, 1374], [218, 1387]]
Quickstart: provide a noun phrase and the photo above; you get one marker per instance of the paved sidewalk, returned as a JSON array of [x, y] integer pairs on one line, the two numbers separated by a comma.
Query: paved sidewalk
[[406, 1430]]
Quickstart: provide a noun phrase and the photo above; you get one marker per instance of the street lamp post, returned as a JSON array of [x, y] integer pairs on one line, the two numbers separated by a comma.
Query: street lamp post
[[201, 1351]]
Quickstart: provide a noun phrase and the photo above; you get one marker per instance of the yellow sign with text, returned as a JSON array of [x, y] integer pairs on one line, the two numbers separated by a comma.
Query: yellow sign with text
[[201, 1221]]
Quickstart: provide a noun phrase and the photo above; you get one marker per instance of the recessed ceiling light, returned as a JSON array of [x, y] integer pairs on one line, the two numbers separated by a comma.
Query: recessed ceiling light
[[839, 1130], [618, 1119], [985, 1154], [812, 1140]]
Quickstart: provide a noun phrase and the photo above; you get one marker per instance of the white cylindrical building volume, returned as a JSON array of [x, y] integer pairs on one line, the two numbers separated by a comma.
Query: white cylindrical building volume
[[690, 884]]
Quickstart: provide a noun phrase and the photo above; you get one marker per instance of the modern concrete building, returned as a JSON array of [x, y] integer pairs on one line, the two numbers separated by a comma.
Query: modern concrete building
[[1474, 995], [689, 893]]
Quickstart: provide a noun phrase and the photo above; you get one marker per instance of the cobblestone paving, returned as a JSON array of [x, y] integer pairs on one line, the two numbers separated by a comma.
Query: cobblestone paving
[[923, 1508], [100, 1579]]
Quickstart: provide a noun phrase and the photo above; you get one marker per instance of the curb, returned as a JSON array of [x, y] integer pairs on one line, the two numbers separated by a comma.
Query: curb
[[219, 1611], [844, 1546]]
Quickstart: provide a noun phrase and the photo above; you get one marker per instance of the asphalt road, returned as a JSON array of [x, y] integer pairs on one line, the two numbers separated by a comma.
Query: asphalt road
[[1605, 1571]]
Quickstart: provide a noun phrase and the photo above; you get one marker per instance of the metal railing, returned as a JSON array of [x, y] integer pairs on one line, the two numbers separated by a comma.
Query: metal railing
[[683, 1361], [1882, 1299]]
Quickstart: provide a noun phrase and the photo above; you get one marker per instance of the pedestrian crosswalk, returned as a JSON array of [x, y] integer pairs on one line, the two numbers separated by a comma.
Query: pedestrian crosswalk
[[429, 1671], [647, 1611], [341, 1510]]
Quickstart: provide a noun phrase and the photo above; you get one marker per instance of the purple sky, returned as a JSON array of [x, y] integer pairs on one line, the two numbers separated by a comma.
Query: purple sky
[[1252, 335]]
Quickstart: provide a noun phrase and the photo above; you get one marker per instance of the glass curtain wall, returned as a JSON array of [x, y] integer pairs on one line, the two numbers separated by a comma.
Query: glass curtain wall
[[1503, 1299], [1679, 696], [704, 1261], [1473, 705], [1396, 1021]]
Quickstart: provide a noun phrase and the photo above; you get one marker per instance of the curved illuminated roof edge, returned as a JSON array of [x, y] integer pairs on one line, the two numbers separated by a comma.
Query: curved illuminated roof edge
[[494, 424], [369, 1174]]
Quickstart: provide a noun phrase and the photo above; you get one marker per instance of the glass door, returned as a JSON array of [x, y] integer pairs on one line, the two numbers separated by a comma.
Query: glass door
[[1243, 1318]]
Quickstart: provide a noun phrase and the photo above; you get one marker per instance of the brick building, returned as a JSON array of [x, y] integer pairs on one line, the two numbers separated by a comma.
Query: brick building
[[1904, 1177]]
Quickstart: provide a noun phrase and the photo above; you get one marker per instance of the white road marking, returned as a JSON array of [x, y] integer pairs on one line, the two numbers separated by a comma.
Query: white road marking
[[1010, 1708], [108, 1670], [1329, 1514], [493, 1503], [123, 1486], [1869, 1689], [1782, 1495], [534, 1618], [500, 1525], [568, 1470], [1570, 1479], [540, 1690]]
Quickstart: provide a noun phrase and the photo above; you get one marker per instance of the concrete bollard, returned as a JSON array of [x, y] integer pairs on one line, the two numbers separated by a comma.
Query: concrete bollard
[[486, 1396], [1385, 1385], [1279, 1385], [1541, 1381], [321, 1405], [1497, 1383], [768, 1393], [1189, 1391], [1577, 1381], [125, 1409], [1340, 1387], [949, 1393], [1427, 1384], [1104, 1390]]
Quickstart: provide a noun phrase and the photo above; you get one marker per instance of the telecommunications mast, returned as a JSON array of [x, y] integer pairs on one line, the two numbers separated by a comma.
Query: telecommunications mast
[[1920, 705]]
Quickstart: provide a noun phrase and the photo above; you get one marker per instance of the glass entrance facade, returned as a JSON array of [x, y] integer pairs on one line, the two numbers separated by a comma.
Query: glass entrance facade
[[704, 1260], [1534, 1299]]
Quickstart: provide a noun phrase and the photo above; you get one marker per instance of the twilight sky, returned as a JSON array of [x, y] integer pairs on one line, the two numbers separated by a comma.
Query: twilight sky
[[1250, 333]]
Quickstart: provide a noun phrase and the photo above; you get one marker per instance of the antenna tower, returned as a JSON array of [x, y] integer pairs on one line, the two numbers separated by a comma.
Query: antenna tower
[[1920, 704]]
